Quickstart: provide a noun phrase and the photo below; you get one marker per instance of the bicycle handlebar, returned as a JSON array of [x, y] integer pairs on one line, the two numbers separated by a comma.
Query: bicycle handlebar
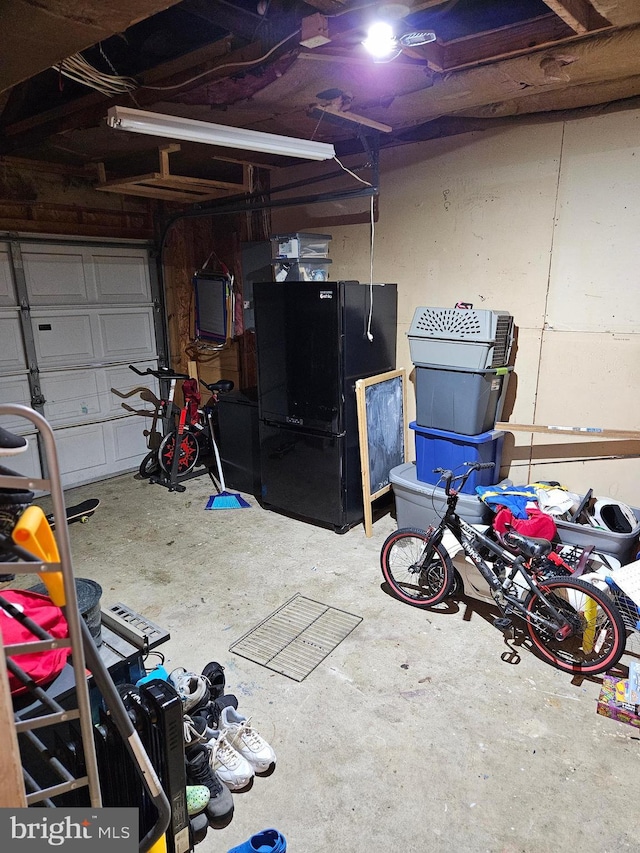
[[160, 373], [450, 477]]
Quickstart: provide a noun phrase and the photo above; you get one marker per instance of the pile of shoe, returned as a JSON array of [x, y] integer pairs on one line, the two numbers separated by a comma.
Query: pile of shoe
[[223, 752]]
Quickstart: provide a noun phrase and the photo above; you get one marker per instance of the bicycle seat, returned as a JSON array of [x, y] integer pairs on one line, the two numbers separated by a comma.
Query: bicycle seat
[[527, 545], [222, 386]]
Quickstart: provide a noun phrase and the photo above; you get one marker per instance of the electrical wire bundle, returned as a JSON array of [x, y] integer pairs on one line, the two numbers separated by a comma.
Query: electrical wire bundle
[[77, 68]]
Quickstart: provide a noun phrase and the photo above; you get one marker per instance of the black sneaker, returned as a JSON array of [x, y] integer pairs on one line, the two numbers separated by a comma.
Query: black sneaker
[[198, 827], [214, 673], [11, 444], [13, 503], [215, 708], [195, 731], [199, 772]]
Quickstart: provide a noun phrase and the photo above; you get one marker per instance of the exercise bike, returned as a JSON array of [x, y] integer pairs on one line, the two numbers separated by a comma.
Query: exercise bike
[[191, 429]]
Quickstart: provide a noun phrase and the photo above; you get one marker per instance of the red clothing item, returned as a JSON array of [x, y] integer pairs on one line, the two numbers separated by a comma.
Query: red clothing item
[[42, 667], [538, 524]]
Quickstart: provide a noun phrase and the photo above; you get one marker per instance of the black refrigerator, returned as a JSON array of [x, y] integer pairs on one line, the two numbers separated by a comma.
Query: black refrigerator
[[313, 341]]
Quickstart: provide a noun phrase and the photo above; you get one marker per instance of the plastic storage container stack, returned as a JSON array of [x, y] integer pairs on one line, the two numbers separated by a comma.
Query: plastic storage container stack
[[300, 257], [461, 358], [461, 363]]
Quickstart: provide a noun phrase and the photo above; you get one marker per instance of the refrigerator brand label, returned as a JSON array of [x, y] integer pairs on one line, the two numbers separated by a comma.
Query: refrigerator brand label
[[326, 294], [297, 421]]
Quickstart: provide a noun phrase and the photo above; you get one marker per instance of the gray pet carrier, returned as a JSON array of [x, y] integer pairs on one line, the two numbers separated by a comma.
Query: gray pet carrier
[[461, 337]]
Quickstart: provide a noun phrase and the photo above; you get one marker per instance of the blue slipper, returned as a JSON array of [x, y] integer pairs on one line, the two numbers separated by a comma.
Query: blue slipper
[[267, 841]]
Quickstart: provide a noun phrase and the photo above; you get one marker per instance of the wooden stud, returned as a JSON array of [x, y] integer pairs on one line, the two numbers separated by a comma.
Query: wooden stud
[[12, 793], [573, 431]]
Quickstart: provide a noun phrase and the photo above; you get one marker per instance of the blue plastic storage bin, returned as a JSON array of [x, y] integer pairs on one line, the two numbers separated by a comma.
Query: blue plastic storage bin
[[437, 448]]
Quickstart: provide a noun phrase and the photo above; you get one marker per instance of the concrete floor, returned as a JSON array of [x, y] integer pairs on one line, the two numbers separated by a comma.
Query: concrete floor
[[419, 732]]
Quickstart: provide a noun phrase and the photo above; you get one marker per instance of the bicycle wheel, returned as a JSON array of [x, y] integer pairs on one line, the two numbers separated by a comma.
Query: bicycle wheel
[[422, 586], [149, 465], [188, 455], [598, 638]]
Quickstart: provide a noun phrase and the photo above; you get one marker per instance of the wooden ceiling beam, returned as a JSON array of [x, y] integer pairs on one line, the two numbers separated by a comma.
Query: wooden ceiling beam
[[580, 15], [501, 43], [25, 163]]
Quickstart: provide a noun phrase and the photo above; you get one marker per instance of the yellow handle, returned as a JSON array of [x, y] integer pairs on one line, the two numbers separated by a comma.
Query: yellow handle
[[33, 533], [590, 615], [160, 846]]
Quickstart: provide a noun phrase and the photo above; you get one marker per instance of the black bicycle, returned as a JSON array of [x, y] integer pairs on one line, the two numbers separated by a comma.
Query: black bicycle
[[573, 625]]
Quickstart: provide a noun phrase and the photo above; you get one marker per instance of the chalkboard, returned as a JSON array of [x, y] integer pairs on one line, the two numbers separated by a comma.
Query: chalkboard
[[383, 431]]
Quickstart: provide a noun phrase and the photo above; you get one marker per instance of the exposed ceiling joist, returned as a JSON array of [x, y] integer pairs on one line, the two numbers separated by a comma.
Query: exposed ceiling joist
[[578, 14], [90, 109], [492, 58], [496, 44]]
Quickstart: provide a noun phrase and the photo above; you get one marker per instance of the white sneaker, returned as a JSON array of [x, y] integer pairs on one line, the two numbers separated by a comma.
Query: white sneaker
[[192, 688], [246, 740], [229, 766]]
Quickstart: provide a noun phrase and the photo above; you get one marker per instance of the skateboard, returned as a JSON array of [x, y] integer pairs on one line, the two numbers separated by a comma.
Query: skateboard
[[79, 512]]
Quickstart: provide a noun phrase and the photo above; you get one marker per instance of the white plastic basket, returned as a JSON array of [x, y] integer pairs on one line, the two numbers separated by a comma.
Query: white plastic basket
[[461, 337]]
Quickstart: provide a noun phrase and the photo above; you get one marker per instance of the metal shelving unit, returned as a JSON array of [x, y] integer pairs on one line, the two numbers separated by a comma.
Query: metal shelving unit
[[52, 713], [31, 723]]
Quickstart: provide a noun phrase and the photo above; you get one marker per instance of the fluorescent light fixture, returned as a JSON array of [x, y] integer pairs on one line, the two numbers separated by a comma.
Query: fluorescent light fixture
[[190, 130]]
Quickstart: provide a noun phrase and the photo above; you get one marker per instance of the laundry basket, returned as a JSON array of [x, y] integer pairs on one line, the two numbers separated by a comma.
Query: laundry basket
[[461, 337]]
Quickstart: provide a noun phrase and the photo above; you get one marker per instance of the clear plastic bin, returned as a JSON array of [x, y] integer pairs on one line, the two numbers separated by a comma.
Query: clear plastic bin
[[298, 270], [300, 245]]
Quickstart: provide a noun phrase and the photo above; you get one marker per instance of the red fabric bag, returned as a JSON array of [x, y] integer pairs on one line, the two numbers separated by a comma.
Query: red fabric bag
[[41, 666]]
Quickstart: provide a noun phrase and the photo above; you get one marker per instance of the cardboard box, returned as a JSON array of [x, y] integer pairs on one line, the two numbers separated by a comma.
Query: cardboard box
[[610, 706]]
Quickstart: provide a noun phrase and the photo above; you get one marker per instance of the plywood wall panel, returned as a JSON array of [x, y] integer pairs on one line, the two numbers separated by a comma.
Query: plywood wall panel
[[596, 252]]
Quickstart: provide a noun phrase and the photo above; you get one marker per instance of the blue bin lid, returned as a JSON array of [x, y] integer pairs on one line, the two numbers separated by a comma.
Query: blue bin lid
[[482, 438]]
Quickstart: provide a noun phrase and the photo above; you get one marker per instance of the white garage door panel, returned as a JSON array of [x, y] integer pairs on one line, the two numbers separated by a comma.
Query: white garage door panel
[[11, 351], [54, 277], [95, 451], [63, 339], [7, 296], [128, 333], [83, 396], [81, 450], [15, 389], [129, 443], [125, 380], [122, 278], [73, 338], [91, 315], [73, 396]]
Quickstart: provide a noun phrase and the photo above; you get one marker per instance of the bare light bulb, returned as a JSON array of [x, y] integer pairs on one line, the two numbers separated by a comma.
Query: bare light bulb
[[380, 40]]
